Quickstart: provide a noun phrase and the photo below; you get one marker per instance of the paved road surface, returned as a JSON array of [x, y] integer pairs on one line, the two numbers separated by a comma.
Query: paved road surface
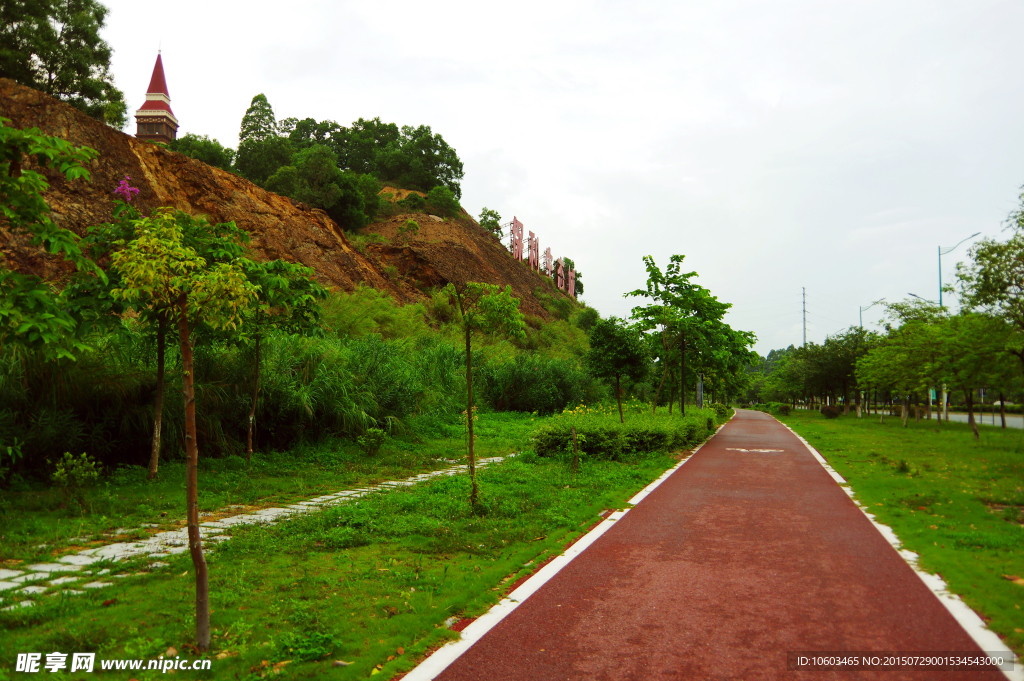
[[734, 560]]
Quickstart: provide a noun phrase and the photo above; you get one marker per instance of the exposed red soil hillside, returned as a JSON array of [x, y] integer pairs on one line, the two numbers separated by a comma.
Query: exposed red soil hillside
[[444, 250]]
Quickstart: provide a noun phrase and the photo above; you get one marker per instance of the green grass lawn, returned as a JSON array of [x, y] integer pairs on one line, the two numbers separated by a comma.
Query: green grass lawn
[[36, 523], [370, 582], [956, 502]]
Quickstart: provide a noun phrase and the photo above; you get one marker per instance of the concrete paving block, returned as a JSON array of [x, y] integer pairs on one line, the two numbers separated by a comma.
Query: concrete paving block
[[52, 567], [105, 571], [4, 586], [157, 565], [23, 604], [77, 559], [175, 550], [31, 577], [96, 585], [72, 592], [63, 580], [214, 524], [5, 574], [32, 589]]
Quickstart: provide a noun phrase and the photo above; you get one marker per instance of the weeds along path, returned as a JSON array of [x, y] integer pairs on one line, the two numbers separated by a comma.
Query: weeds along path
[[745, 554], [72, 572]]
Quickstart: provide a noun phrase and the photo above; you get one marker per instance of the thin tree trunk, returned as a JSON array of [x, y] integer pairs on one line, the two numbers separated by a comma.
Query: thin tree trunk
[[469, 417], [970, 412], [158, 400], [255, 394], [618, 397], [1002, 410], [906, 409], [195, 545], [682, 378], [657, 395], [671, 393], [846, 399], [929, 416]]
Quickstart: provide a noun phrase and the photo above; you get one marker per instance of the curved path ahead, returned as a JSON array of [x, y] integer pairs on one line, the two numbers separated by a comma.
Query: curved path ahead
[[737, 558]]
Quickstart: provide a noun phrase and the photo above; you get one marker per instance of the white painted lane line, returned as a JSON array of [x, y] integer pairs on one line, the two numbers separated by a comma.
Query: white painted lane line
[[431, 667], [971, 622]]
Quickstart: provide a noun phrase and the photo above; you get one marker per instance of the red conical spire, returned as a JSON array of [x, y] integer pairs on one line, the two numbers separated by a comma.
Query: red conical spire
[[157, 97], [155, 120], [158, 84]]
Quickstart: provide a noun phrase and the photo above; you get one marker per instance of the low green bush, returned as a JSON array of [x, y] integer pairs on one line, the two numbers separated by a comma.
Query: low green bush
[[607, 438], [721, 410], [829, 412]]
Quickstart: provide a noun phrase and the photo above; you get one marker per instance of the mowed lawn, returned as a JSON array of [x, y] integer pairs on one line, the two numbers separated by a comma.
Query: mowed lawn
[[957, 502]]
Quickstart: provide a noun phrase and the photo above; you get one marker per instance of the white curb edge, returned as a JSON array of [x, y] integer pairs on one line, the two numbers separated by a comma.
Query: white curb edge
[[431, 667], [971, 622]]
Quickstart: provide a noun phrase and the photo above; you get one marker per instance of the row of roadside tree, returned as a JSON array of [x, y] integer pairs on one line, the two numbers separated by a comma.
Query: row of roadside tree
[[923, 348]]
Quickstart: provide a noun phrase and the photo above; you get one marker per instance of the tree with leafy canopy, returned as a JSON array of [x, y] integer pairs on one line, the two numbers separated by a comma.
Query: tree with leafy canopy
[[482, 307], [685, 313], [261, 149], [55, 46], [202, 148], [491, 221], [993, 281], [617, 350], [571, 265], [33, 314], [159, 271], [217, 243], [287, 300]]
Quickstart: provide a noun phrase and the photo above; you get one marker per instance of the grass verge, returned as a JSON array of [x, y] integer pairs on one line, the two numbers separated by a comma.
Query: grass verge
[[37, 524], [957, 503], [370, 583]]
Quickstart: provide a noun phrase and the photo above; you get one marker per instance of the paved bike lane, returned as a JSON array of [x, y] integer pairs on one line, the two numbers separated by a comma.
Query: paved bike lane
[[735, 559]]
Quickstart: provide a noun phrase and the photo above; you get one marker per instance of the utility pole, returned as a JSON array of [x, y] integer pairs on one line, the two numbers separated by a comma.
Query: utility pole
[[805, 315]]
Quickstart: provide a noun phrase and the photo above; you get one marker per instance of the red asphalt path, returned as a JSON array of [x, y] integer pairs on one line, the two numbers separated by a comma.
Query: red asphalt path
[[735, 559]]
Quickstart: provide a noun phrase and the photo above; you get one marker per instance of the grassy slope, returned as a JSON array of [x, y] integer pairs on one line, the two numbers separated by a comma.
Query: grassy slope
[[956, 502], [357, 582]]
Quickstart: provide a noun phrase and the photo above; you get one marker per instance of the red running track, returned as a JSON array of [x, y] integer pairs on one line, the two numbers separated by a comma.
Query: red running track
[[734, 560]]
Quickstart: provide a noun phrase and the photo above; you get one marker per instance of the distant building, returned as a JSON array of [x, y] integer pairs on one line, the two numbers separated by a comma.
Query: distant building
[[155, 120]]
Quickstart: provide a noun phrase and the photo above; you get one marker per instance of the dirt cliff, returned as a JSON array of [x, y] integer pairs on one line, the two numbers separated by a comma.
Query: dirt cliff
[[443, 250]]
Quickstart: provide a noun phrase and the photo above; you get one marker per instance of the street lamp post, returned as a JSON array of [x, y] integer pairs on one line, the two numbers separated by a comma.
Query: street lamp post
[[944, 251], [862, 308], [943, 404]]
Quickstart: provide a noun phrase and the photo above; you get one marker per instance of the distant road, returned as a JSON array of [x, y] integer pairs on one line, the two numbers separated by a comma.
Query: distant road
[[1012, 420]]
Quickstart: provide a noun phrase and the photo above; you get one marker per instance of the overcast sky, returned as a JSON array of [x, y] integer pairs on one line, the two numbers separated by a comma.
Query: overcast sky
[[777, 145]]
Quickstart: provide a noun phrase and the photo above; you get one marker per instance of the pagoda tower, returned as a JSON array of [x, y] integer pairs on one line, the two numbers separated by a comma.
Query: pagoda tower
[[155, 120]]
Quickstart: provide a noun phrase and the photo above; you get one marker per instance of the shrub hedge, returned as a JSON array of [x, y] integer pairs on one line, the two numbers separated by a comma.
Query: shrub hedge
[[602, 436]]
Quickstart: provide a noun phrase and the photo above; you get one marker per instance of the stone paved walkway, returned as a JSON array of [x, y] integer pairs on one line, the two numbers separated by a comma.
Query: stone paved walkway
[[72, 573]]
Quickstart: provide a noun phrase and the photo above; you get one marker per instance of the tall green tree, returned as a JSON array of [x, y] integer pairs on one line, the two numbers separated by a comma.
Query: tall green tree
[[261, 148], [617, 350], [482, 307], [158, 270], [55, 46], [685, 314]]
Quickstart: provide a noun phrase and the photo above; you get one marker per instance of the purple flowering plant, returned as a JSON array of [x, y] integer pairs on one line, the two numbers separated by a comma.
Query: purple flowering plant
[[125, 190]]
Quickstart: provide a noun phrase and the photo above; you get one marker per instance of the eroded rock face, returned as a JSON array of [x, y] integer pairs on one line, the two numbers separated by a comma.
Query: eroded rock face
[[278, 228], [448, 250]]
